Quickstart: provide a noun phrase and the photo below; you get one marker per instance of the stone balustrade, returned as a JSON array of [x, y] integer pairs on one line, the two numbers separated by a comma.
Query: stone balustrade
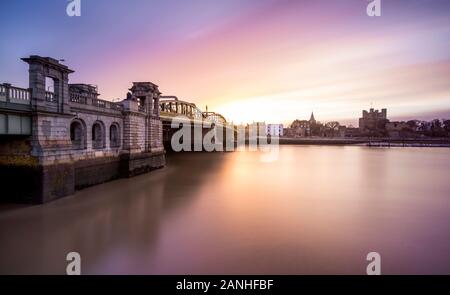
[[51, 97], [141, 108], [2, 93], [98, 103], [15, 95]]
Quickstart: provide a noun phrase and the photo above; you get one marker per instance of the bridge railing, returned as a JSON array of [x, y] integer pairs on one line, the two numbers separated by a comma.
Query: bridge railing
[[12, 94], [2, 93], [215, 117], [77, 98], [175, 107], [172, 106], [17, 95], [51, 97], [99, 103], [141, 108]]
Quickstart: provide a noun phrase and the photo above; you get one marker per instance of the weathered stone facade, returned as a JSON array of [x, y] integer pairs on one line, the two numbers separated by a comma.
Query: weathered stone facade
[[78, 140]]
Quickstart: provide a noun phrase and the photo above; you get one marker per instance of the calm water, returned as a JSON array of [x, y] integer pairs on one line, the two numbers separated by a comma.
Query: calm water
[[317, 210]]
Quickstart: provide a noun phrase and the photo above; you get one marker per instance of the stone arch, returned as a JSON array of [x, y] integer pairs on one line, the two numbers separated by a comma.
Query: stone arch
[[114, 135], [78, 134], [98, 135]]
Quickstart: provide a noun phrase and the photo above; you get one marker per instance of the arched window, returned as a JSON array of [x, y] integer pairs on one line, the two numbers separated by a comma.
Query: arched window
[[77, 135], [114, 135], [98, 135]]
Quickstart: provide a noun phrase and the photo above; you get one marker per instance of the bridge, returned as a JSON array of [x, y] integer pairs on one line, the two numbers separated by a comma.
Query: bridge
[[59, 137], [171, 107], [185, 112]]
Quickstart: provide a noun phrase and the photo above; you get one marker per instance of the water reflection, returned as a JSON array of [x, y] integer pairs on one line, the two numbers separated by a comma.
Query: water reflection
[[315, 210]]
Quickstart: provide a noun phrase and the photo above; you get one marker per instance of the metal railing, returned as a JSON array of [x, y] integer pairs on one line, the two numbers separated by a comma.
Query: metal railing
[[215, 117], [178, 107], [172, 106]]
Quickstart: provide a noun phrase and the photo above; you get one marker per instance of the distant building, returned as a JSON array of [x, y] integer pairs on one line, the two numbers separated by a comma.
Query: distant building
[[274, 130], [352, 132], [398, 129], [300, 128], [342, 131], [303, 128], [373, 120], [288, 132]]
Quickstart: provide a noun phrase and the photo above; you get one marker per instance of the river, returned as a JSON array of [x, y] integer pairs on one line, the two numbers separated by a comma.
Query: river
[[315, 210]]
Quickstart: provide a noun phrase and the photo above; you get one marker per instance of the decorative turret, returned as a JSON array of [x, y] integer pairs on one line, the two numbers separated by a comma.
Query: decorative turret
[[147, 95]]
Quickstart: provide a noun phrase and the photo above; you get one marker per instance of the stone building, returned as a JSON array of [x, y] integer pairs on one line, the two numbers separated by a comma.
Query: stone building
[[373, 120], [303, 128], [399, 129], [60, 138]]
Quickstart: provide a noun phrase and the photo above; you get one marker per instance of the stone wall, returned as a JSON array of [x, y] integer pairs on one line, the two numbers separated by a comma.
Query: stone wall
[[134, 135], [155, 136], [135, 164], [95, 171]]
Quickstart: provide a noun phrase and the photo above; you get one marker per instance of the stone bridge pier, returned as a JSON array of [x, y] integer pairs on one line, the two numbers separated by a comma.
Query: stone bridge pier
[[57, 137]]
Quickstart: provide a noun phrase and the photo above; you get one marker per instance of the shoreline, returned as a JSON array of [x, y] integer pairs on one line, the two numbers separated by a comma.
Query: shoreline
[[377, 142]]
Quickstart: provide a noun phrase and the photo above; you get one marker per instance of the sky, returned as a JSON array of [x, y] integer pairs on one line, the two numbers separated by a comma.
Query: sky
[[250, 60]]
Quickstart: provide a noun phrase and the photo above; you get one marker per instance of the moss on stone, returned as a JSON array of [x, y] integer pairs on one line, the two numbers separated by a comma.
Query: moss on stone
[[14, 160]]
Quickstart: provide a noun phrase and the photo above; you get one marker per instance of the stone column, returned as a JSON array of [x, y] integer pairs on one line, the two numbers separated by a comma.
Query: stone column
[[133, 131], [63, 94], [155, 125], [37, 86]]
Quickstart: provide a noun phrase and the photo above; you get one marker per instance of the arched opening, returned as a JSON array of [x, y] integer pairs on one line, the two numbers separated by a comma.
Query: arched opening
[[98, 135], [114, 135], [77, 135]]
